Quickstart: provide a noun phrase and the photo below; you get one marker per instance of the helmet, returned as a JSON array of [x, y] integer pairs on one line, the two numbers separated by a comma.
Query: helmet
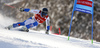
[[44, 11]]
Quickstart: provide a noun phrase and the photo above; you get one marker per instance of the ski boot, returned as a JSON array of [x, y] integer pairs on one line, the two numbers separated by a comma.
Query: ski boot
[[9, 27], [24, 29]]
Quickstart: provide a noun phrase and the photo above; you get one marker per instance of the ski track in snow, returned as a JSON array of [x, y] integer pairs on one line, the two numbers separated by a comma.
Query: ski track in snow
[[33, 39], [38, 39]]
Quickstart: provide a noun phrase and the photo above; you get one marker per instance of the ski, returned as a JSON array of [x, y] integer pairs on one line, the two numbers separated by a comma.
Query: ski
[[16, 29]]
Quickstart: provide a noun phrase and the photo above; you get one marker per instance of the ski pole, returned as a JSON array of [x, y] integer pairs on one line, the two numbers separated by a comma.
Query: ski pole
[[9, 5]]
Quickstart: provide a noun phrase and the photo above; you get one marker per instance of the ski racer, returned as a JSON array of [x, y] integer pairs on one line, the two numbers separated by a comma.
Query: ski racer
[[39, 17]]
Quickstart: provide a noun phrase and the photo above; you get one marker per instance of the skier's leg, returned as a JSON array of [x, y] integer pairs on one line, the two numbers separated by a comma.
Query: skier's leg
[[31, 25], [16, 25], [35, 24], [21, 23]]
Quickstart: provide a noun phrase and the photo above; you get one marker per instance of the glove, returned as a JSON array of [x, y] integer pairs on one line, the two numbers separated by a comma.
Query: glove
[[22, 9], [47, 32]]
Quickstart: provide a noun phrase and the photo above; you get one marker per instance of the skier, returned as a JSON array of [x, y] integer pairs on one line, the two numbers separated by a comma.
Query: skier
[[38, 18]]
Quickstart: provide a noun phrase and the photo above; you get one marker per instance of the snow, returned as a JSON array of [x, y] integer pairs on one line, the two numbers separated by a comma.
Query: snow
[[38, 39], [98, 22]]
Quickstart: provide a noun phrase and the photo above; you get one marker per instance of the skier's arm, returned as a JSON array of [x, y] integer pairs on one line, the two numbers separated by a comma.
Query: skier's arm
[[30, 10], [47, 24]]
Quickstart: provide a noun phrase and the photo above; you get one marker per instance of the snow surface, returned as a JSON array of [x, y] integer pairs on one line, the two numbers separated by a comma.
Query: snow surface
[[38, 39]]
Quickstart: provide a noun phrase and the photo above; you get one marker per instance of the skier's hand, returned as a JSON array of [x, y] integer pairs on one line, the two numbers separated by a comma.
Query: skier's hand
[[21, 9], [47, 32]]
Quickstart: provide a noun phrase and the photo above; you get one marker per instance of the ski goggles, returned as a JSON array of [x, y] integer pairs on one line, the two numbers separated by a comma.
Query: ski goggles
[[44, 13]]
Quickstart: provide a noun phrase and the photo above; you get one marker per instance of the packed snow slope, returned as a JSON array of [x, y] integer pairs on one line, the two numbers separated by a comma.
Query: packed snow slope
[[38, 39]]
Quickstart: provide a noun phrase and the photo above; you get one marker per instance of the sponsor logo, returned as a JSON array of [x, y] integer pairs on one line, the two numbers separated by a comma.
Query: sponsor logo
[[35, 11], [85, 2]]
